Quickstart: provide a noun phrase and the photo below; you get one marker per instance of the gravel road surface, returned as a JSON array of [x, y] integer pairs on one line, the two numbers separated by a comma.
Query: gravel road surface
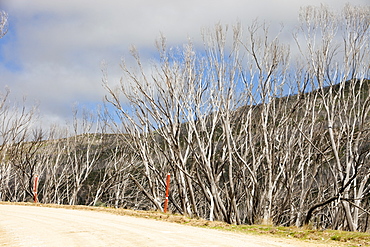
[[43, 226]]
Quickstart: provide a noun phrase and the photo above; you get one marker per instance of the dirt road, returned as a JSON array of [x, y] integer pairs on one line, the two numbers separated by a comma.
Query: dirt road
[[42, 226]]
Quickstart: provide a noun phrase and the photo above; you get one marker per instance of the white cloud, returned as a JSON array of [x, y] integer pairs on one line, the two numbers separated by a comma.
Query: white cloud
[[54, 48]]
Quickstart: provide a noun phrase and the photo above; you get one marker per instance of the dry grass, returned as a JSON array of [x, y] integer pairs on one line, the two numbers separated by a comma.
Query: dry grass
[[326, 237]]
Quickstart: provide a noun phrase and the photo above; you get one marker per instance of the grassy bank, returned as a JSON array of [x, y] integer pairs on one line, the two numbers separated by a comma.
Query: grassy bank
[[325, 237]]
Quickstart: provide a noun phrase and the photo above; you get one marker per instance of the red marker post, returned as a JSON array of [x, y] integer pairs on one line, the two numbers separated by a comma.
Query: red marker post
[[35, 185], [167, 192]]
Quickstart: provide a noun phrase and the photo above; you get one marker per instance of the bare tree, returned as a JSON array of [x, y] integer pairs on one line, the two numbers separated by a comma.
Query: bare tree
[[343, 93], [18, 148], [249, 134], [83, 152], [3, 23]]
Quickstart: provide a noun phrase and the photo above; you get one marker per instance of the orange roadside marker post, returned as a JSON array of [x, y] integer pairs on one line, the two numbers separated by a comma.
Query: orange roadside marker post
[[167, 192], [35, 185]]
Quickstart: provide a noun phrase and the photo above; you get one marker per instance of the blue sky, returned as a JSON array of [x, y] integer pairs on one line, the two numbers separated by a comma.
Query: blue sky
[[53, 51]]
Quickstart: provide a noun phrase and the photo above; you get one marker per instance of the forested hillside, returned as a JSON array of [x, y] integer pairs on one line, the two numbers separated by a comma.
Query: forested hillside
[[250, 132]]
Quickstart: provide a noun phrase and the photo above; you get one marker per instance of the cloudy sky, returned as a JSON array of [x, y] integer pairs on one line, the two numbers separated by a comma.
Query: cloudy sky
[[53, 51]]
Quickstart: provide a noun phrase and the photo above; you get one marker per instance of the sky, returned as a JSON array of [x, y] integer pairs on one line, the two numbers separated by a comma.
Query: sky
[[54, 50]]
